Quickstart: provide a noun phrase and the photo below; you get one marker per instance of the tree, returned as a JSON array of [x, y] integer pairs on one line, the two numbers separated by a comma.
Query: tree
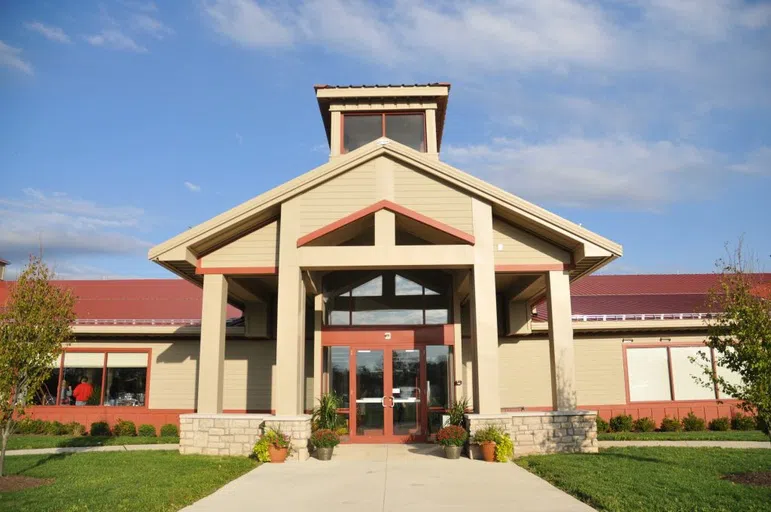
[[740, 334], [35, 324]]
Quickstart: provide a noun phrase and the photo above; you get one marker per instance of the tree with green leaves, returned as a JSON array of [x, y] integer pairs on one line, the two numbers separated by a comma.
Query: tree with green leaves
[[740, 334], [35, 324]]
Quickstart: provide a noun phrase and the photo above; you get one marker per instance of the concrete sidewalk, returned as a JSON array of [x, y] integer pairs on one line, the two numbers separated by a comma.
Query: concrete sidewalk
[[394, 478], [687, 444], [83, 449]]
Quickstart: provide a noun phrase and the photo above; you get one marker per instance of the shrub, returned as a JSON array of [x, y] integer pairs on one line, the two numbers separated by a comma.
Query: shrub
[[146, 430], [169, 430], [55, 428], [31, 426], [621, 423], [100, 428], [272, 437], [742, 422], [720, 424], [670, 425], [452, 435], [762, 425], [504, 447], [325, 438], [602, 425], [124, 428], [644, 425], [693, 423]]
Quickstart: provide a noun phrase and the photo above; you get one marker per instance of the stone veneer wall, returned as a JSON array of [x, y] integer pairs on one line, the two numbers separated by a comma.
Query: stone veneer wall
[[541, 432], [235, 434]]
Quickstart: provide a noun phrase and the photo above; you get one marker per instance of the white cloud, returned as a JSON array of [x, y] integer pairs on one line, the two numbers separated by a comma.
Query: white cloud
[[116, 40], [192, 187], [757, 162], [247, 23], [50, 32], [151, 25], [67, 226], [614, 171], [10, 57]]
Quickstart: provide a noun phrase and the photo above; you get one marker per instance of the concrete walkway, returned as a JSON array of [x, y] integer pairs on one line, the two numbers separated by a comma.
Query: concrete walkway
[[688, 444], [398, 478], [83, 449]]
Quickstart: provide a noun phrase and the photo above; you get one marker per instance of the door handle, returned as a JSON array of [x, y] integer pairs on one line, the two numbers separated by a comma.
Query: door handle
[[382, 401], [392, 401]]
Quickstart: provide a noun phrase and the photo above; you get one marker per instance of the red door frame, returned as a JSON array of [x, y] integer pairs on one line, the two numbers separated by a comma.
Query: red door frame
[[388, 339]]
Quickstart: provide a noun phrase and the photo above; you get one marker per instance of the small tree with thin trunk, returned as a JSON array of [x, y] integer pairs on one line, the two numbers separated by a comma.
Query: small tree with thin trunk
[[34, 325], [740, 335]]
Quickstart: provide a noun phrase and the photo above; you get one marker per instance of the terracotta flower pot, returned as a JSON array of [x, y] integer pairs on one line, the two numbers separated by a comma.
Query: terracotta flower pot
[[453, 452], [488, 451], [277, 454]]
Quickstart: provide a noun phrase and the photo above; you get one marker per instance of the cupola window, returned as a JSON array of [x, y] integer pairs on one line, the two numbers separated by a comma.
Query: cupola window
[[408, 128]]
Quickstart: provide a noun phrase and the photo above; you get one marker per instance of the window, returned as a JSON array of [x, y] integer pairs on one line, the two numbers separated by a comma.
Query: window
[[388, 298], [407, 128], [667, 373], [96, 378]]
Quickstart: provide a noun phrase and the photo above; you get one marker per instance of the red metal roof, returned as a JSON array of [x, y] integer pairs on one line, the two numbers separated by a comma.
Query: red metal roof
[[162, 299]]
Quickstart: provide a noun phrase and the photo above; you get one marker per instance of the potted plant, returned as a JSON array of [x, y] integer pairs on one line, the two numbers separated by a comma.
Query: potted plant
[[273, 446], [324, 415], [487, 438], [452, 438], [324, 440]]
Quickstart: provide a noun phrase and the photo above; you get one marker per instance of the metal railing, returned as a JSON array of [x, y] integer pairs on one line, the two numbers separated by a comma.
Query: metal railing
[[139, 321], [646, 316]]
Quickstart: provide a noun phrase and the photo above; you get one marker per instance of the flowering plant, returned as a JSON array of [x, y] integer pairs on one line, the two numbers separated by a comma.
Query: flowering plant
[[452, 435], [325, 438]]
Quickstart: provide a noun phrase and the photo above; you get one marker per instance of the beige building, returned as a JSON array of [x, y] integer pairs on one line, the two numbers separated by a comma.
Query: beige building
[[400, 283]]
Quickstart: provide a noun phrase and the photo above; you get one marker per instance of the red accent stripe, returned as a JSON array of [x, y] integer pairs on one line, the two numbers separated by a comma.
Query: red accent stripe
[[390, 206]]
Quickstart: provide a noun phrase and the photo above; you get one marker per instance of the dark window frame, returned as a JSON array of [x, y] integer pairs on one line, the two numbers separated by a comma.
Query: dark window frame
[[383, 114]]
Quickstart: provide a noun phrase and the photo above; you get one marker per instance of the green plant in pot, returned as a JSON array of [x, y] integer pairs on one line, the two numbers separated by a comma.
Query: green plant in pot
[[324, 441], [273, 446], [496, 445], [324, 415], [452, 438], [457, 411]]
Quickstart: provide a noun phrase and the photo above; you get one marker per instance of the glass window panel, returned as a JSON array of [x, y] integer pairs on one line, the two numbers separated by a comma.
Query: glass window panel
[[438, 375], [406, 129], [437, 316], [369, 374], [127, 360], [683, 371], [338, 367], [372, 288], [338, 318], [84, 359], [404, 286], [730, 376], [86, 385], [648, 374], [46, 395], [359, 130], [126, 386], [388, 317]]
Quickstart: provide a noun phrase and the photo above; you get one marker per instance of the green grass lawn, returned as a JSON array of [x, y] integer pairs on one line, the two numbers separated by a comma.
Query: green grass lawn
[[657, 479], [707, 435], [25, 442], [120, 481]]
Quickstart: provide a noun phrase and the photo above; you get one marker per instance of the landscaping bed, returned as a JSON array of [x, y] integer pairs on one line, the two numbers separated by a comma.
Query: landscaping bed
[[119, 481], [706, 435], [29, 442], [659, 479]]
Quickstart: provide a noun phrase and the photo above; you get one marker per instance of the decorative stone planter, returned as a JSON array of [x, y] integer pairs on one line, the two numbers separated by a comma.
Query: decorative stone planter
[[324, 453], [453, 452]]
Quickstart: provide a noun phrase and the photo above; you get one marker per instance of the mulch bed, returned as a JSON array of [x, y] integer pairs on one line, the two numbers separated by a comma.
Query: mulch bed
[[19, 483], [762, 478]]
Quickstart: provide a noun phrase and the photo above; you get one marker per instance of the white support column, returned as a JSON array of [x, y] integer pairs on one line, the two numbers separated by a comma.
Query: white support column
[[385, 228], [290, 325], [561, 350], [211, 360], [484, 318]]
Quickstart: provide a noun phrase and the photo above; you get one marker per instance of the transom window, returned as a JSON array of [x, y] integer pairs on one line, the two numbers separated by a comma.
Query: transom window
[[408, 128], [387, 298]]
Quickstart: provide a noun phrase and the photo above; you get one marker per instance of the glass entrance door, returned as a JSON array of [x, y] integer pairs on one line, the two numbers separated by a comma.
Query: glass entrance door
[[370, 395], [406, 385]]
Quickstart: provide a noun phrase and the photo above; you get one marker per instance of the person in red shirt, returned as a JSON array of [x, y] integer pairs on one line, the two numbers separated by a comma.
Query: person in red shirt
[[83, 391]]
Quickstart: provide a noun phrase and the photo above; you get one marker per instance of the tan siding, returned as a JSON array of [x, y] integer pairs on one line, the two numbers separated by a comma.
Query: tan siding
[[600, 371], [525, 373], [174, 371], [334, 199], [256, 249], [432, 198], [519, 247]]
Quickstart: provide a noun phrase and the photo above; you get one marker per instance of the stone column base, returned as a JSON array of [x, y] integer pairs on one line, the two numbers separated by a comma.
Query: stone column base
[[236, 434], [536, 432]]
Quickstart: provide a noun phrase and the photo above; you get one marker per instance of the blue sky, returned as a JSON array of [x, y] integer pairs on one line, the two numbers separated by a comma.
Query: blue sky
[[122, 123]]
